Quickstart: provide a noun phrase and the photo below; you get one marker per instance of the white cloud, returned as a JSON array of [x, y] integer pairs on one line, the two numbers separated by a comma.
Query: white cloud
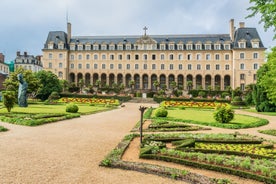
[[26, 23]]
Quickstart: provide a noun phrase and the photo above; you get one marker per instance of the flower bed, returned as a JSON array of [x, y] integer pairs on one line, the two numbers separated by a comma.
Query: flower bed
[[209, 105], [252, 150], [96, 101], [113, 160], [263, 169]]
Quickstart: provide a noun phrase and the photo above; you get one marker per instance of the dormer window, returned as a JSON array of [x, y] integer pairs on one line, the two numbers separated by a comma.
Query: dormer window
[[120, 47], [95, 47], [72, 46], [226, 46], [217, 46], [207, 46], [162, 47], [180, 47], [128, 47], [198, 46], [87, 47], [61, 46], [103, 47], [189, 46], [242, 44], [80, 47], [171, 46], [51, 46], [255, 44], [111, 47]]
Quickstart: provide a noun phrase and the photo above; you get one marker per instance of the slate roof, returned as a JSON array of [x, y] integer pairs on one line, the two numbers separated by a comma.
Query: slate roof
[[240, 33], [247, 34]]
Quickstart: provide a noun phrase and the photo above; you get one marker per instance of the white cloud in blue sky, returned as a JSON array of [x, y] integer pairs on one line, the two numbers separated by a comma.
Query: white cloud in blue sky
[[25, 23]]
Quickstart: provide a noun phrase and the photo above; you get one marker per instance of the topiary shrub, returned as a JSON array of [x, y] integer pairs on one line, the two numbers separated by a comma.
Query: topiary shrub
[[161, 112], [71, 107], [224, 114]]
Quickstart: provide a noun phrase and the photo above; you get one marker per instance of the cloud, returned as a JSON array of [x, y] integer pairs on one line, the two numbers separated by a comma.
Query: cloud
[[25, 23]]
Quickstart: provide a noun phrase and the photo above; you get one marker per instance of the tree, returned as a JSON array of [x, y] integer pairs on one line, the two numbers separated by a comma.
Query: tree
[[11, 83], [248, 93], [49, 83], [9, 99], [260, 96], [267, 9], [156, 84], [81, 84], [65, 85], [268, 79], [189, 85]]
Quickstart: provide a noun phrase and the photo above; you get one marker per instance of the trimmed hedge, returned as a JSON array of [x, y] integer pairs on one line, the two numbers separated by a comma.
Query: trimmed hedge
[[222, 169]]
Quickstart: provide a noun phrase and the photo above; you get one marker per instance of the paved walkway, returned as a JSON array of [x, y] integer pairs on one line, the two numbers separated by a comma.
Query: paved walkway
[[70, 151]]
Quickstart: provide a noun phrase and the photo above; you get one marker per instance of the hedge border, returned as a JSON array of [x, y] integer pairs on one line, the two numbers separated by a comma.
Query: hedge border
[[222, 169], [113, 160]]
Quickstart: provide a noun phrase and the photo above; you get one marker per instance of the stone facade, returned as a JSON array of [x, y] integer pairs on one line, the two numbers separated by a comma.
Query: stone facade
[[4, 70], [28, 62], [209, 60]]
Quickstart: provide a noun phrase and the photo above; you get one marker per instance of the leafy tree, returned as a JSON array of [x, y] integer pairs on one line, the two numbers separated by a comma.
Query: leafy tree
[[260, 97], [268, 80], [49, 83], [248, 92], [156, 84], [9, 99], [81, 84], [11, 83], [189, 85], [65, 85], [267, 9]]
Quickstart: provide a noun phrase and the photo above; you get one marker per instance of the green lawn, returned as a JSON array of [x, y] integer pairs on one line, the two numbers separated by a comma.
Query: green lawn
[[38, 114], [3, 129], [58, 108], [205, 117]]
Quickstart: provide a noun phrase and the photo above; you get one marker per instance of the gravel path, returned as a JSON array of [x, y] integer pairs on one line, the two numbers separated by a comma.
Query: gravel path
[[70, 151]]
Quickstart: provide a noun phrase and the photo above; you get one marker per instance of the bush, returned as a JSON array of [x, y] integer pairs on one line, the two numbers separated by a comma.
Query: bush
[[54, 96], [237, 101], [224, 114], [161, 112], [202, 94], [73, 108], [9, 99]]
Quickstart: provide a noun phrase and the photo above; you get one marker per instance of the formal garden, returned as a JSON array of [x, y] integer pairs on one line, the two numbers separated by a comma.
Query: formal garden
[[41, 98], [235, 154]]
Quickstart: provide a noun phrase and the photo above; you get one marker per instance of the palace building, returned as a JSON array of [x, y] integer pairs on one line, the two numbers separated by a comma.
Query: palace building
[[203, 60]]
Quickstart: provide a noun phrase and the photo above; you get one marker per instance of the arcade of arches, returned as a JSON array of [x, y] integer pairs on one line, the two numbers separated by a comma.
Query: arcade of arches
[[145, 81]]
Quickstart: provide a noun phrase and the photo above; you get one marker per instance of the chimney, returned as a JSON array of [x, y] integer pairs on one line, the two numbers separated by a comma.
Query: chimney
[[69, 33], [232, 29], [25, 54], [18, 53], [242, 24], [38, 58]]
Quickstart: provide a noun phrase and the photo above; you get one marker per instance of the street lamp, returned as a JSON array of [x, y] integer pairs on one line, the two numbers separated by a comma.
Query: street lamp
[[142, 109]]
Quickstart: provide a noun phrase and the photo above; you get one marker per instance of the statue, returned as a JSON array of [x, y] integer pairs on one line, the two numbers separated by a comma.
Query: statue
[[22, 91]]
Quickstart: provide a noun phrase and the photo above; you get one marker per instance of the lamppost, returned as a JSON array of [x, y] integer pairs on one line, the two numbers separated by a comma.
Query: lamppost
[[142, 109]]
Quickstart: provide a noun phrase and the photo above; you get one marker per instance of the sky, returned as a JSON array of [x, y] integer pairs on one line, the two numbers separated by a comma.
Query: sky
[[25, 24]]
